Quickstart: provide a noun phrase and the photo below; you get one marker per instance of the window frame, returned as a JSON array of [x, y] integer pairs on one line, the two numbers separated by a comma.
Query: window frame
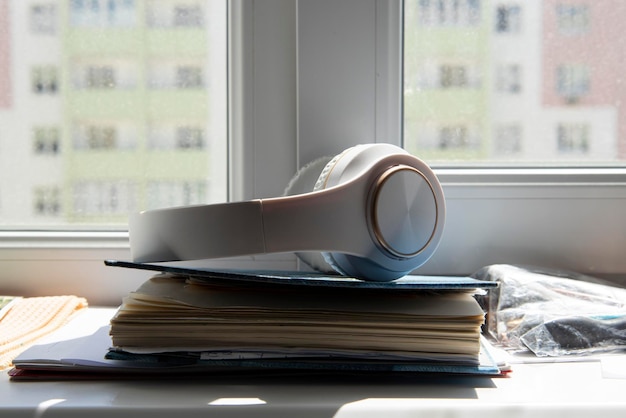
[[283, 85]]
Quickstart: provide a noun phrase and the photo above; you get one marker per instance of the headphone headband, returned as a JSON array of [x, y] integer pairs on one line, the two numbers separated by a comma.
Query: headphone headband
[[381, 217]]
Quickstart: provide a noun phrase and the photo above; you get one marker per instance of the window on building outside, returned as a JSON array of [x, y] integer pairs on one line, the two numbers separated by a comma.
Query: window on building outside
[[508, 78], [45, 79], [43, 19], [103, 13], [573, 138], [47, 201], [573, 18], [508, 18], [46, 140], [508, 139], [449, 12]]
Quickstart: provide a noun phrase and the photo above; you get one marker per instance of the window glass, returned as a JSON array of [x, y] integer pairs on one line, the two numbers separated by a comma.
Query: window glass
[[109, 107], [515, 82]]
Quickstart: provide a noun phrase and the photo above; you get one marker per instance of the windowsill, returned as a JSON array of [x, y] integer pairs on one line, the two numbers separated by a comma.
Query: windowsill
[[572, 389], [546, 390]]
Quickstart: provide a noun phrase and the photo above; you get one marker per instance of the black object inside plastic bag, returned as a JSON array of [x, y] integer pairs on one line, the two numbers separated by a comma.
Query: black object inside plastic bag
[[576, 335], [553, 313]]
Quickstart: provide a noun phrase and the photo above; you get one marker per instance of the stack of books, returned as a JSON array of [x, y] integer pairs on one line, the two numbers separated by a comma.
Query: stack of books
[[302, 321], [188, 321]]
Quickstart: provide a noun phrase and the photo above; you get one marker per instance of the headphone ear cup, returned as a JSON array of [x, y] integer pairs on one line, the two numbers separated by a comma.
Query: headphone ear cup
[[378, 265], [344, 264], [304, 181], [393, 240]]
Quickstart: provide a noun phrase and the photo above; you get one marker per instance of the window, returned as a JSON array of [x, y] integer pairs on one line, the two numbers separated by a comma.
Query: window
[[572, 82], [508, 18], [188, 137], [45, 80], [188, 16], [573, 138], [78, 107], [46, 140], [98, 75], [295, 95], [449, 12], [102, 13], [511, 197], [508, 140], [573, 19], [548, 126], [453, 76], [453, 137], [536, 79], [47, 201], [180, 73], [98, 81], [175, 14], [43, 19], [178, 135], [100, 137], [95, 198], [508, 78], [113, 136], [189, 77], [168, 193]]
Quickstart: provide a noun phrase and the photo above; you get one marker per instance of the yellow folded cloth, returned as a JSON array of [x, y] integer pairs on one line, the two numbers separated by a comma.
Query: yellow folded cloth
[[25, 320]]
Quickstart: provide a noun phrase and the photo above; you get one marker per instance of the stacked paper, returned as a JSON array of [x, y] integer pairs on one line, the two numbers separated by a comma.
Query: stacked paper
[[171, 313]]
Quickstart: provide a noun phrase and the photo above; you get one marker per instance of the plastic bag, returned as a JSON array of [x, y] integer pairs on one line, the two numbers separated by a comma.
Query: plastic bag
[[553, 313]]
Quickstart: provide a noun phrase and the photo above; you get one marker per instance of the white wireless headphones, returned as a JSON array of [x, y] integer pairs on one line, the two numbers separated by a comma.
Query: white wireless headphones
[[375, 212]]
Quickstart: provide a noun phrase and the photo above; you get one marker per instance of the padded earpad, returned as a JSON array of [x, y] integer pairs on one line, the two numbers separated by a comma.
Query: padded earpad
[[325, 259], [304, 182]]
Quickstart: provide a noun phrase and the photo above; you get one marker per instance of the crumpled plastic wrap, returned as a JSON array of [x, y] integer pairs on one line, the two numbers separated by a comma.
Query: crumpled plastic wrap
[[553, 313]]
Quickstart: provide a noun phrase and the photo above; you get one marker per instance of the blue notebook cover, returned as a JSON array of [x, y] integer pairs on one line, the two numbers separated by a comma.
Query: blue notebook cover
[[89, 357], [317, 280], [162, 363]]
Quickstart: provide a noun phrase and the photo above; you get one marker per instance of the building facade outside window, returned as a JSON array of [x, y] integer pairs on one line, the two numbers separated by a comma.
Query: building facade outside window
[[100, 74], [529, 64]]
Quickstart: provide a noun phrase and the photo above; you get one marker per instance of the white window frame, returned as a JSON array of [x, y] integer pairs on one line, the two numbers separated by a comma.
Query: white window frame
[[294, 96]]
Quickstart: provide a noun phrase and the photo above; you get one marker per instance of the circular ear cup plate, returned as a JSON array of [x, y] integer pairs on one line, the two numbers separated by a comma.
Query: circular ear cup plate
[[404, 211]]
